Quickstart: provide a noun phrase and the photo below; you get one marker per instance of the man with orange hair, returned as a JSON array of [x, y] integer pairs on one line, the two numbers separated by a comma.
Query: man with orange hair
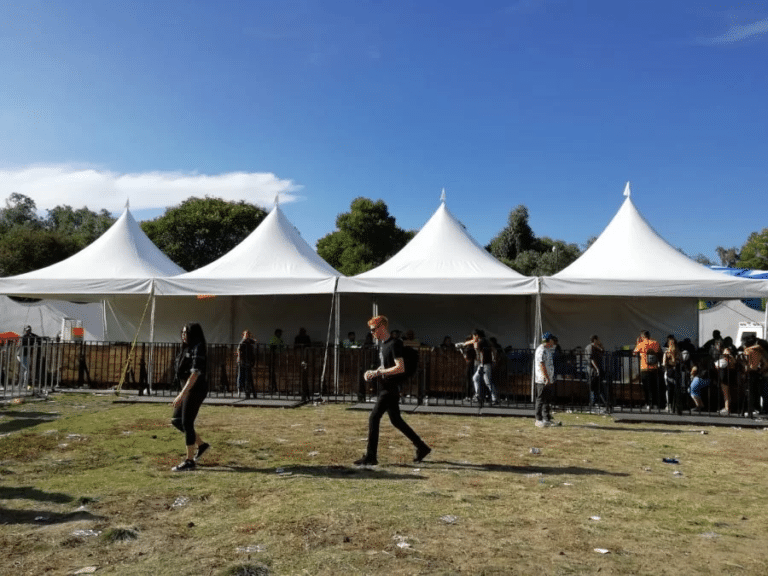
[[390, 372]]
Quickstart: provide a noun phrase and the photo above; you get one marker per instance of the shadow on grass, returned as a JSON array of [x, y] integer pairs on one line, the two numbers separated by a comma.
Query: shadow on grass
[[348, 472], [30, 493], [22, 420], [43, 517], [552, 470], [631, 429]]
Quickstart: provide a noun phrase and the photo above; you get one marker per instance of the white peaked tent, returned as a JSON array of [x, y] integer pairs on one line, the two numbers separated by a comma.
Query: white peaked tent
[[629, 280], [272, 279], [474, 288], [117, 268]]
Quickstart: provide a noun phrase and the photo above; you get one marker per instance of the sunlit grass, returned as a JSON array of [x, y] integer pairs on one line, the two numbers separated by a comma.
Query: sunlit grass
[[277, 490]]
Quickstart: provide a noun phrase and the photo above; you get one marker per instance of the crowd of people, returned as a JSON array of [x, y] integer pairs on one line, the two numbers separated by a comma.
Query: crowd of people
[[671, 373]]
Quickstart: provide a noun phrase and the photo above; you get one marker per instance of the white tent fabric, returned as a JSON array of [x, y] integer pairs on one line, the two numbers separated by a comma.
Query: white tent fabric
[[475, 290], [273, 259], [630, 279], [119, 266], [45, 317], [631, 259], [441, 259], [123, 260], [725, 316], [272, 279]]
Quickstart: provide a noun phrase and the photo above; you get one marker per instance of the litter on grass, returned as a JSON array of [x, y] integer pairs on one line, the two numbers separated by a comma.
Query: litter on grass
[[251, 549]]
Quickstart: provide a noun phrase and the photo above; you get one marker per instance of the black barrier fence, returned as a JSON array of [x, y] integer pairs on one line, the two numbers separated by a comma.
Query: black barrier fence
[[444, 377]]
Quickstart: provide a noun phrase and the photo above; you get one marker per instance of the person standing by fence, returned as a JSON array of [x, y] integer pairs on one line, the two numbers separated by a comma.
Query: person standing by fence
[[649, 352], [594, 353], [191, 371], [246, 356], [391, 373], [544, 377]]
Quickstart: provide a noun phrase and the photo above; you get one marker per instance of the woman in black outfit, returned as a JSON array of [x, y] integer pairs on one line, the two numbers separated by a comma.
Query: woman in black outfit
[[190, 371]]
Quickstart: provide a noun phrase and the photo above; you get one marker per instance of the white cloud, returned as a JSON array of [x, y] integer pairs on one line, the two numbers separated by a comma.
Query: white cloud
[[52, 185], [738, 33]]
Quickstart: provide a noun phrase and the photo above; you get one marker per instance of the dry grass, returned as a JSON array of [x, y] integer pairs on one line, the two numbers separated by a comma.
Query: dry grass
[[82, 476]]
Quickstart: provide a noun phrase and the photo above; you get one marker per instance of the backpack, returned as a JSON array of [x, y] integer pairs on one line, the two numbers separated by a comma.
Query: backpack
[[411, 361], [652, 358]]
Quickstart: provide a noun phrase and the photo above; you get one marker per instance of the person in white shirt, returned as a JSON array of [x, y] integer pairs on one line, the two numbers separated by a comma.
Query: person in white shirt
[[544, 376]]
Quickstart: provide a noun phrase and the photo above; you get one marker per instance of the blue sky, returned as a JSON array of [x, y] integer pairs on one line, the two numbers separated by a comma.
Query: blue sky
[[547, 103]]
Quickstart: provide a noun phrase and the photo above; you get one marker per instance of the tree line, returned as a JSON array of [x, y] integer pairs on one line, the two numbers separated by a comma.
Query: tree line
[[200, 230]]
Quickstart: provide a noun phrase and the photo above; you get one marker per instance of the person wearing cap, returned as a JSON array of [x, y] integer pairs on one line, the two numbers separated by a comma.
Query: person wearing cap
[[544, 376]]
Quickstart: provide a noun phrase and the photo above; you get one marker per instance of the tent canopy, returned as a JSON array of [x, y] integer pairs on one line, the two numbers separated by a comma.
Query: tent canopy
[[123, 260], [631, 259], [441, 259], [273, 259]]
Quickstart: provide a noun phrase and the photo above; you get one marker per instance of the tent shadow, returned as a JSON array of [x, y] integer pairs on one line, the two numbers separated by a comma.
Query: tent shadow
[[633, 429], [337, 472], [551, 470], [31, 493], [44, 517]]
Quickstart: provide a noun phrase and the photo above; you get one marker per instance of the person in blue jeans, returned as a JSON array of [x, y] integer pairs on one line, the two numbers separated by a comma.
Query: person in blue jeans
[[699, 382]]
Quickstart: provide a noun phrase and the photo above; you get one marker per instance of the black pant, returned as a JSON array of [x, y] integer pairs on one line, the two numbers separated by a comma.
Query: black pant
[[389, 402], [185, 413], [652, 389]]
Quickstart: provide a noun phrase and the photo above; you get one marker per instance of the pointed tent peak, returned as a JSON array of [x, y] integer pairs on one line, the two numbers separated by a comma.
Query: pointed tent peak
[[277, 200], [627, 191], [442, 196], [127, 203]]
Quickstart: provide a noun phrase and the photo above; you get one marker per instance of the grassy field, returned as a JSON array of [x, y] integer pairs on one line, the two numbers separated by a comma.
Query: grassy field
[[86, 484]]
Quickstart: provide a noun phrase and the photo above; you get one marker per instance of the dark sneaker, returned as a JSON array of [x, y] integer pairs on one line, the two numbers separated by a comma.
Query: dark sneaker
[[365, 461], [201, 450], [184, 466], [421, 453]]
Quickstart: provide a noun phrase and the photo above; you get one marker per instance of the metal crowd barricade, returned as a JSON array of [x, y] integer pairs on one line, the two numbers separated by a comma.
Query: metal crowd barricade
[[315, 372]]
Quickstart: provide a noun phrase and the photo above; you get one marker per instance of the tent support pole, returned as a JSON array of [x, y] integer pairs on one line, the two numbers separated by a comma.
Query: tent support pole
[[337, 322], [150, 371], [537, 331]]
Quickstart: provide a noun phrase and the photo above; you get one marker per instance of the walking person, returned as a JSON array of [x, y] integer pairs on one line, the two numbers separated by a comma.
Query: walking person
[[543, 377], [484, 365], [390, 375], [191, 370], [246, 356]]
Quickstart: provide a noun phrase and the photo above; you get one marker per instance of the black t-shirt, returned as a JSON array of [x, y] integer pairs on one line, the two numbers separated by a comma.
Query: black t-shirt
[[388, 351], [192, 358], [486, 352]]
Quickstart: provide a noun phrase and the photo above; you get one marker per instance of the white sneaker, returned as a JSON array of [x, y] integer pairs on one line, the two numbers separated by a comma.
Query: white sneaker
[[541, 424], [551, 422]]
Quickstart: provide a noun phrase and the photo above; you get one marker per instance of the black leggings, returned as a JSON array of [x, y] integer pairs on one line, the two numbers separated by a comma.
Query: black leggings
[[185, 413], [388, 403]]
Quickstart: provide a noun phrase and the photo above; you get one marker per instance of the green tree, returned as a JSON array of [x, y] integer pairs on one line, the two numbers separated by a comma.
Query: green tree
[[754, 253], [82, 226], [201, 230], [20, 210], [519, 248], [516, 238], [728, 256], [25, 248], [366, 237]]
